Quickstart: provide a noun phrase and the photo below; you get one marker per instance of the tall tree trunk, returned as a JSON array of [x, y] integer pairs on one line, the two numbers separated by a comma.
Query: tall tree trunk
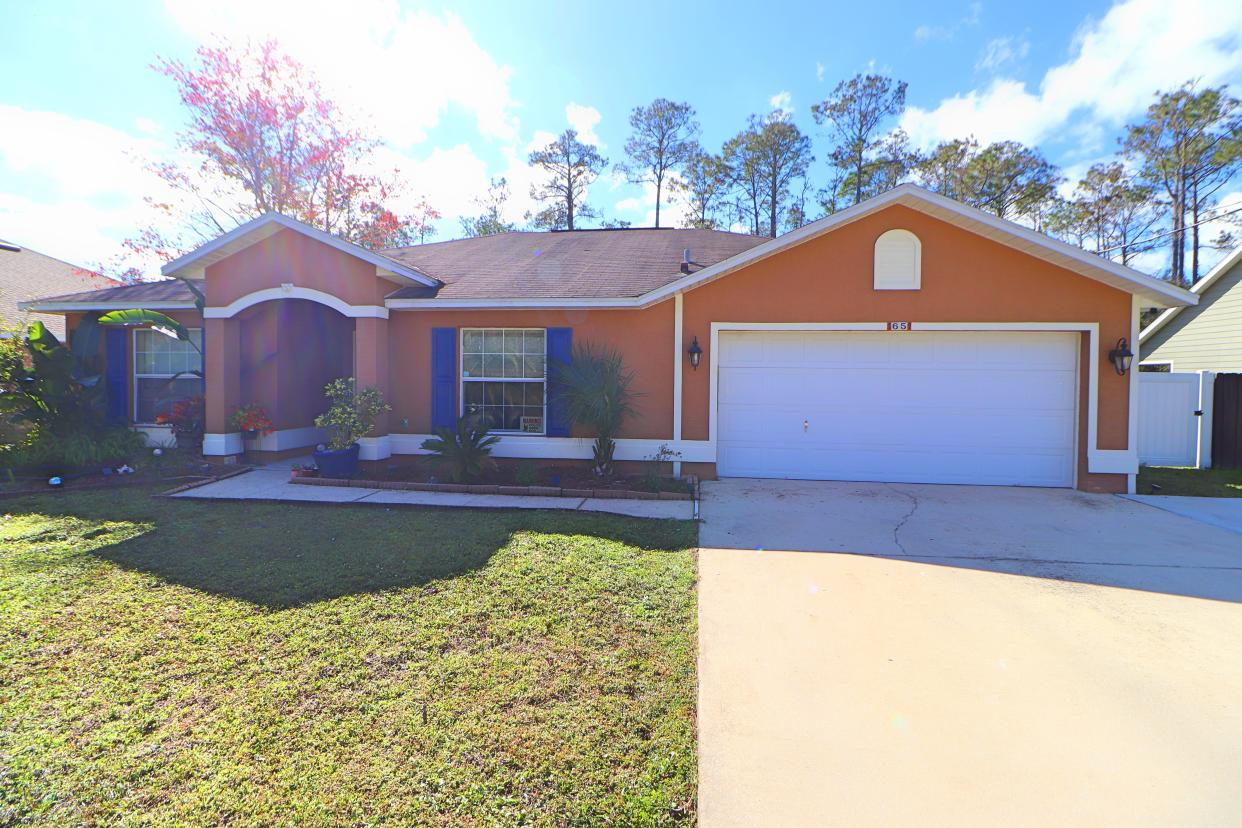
[[1194, 233], [659, 182]]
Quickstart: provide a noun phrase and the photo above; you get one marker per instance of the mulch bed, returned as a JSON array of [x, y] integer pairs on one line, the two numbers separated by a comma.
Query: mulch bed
[[186, 478]]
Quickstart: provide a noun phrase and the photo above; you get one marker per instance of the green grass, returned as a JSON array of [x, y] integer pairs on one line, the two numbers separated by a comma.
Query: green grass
[[180, 663], [1190, 482]]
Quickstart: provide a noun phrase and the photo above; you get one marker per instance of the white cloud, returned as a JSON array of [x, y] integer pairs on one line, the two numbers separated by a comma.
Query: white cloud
[[641, 209], [929, 31], [401, 70], [1001, 52], [1116, 64], [782, 102], [819, 71], [84, 184], [584, 119]]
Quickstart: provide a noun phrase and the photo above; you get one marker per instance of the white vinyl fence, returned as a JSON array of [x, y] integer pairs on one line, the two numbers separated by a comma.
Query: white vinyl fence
[[1175, 419]]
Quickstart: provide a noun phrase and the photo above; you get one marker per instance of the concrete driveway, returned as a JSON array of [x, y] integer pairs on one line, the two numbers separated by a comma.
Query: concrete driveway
[[983, 656]]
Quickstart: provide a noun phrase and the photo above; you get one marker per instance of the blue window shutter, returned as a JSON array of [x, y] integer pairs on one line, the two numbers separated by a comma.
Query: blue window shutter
[[116, 378], [443, 377], [560, 352]]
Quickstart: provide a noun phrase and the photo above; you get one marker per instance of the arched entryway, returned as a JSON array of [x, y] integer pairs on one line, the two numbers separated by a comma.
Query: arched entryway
[[278, 349]]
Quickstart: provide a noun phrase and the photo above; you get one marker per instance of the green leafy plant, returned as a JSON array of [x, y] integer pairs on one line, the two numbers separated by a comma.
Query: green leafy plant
[[526, 473], [654, 465], [156, 321], [595, 387], [54, 388], [352, 413], [113, 446], [465, 450]]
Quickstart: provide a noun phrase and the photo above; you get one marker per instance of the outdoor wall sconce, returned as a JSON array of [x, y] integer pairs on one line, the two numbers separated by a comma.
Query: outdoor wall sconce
[[695, 353], [1121, 356]]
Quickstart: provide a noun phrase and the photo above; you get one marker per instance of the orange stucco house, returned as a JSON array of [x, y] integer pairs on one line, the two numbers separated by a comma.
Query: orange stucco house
[[908, 339]]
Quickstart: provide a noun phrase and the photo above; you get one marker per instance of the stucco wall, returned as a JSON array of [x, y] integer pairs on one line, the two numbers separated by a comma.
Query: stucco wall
[[966, 278], [289, 257], [290, 349], [645, 337], [1208, 336]]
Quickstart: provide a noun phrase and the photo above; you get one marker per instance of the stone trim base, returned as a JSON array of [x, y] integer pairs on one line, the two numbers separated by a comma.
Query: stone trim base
[[492, 489]]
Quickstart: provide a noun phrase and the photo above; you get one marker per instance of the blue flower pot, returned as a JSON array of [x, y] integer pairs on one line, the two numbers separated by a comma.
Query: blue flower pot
[[337, 462]]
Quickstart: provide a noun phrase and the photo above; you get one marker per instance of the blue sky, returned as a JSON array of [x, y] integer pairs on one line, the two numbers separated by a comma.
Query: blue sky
[[460, 93]]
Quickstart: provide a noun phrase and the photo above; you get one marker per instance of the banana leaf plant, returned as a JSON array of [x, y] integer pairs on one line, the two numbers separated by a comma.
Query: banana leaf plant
[[60, 391], [161, 323]]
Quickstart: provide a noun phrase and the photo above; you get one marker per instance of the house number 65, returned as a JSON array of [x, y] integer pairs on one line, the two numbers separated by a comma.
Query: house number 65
[[899, 326]]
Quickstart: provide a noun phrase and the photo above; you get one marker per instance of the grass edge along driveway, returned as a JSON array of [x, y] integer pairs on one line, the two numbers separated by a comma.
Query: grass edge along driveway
[[168, 662]]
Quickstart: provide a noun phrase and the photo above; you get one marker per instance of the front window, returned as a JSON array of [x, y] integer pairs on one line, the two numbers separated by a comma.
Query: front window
[[504, 377], [161, 364]]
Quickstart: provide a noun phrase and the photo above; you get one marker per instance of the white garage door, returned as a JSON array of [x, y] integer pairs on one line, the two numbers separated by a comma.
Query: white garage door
[[918, 407]]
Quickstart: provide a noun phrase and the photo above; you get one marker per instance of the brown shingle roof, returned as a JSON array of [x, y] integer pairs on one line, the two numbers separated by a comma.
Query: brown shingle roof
[[582, 264], [26, 275], [165, 290]]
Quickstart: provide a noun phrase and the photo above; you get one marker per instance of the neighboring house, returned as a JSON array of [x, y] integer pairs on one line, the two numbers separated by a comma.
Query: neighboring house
[[1207, 336], [907, 338], [26, 275]]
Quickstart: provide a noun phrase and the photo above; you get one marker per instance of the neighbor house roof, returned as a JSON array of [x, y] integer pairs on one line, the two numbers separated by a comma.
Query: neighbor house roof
[[1226, 264], [575, 264], [26, 275]]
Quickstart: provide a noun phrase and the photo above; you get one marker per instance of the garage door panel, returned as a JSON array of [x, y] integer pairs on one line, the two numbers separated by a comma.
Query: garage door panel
[[947, 407], [909, 428]]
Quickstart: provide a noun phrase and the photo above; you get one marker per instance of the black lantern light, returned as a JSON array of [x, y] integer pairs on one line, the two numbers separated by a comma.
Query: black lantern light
[[1121, 356], [695, 353]]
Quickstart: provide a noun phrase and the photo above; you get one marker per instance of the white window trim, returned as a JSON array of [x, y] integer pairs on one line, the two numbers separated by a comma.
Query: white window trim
[[135, 376], [462, 379]]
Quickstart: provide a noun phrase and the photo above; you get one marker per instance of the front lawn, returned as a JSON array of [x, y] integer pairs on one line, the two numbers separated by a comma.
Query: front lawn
[[171, 662], [1174, 480]]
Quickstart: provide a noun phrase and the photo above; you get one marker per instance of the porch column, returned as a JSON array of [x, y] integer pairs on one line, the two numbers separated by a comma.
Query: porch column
[[222, 340], [371, 369]]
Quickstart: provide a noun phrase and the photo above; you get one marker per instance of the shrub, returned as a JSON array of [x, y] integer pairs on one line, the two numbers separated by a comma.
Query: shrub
[[352, 413], [527, 473], [465, 450], [56, 389], [654, 465], [596, 390], [46, 451]]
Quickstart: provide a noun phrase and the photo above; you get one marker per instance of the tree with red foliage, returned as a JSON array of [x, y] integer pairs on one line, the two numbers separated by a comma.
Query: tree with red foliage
[[263, 136]]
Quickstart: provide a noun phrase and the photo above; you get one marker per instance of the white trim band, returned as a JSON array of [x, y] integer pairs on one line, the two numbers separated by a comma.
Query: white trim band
[[291, 292], [569, 448]]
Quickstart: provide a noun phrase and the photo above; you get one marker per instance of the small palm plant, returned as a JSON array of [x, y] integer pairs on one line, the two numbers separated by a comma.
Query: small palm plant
[[465, 450], [595, 388]]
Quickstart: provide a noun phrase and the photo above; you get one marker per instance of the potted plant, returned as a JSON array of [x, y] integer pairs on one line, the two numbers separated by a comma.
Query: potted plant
[[252, 421], [187, 419], [349, 418]]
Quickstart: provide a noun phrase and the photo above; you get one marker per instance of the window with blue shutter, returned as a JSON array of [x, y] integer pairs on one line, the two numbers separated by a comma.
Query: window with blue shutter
[[560, 352], [443, 377]]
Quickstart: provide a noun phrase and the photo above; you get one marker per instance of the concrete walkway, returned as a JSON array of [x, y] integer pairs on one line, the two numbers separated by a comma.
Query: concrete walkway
[[979, 657], [1225, 512], [269, 483]]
